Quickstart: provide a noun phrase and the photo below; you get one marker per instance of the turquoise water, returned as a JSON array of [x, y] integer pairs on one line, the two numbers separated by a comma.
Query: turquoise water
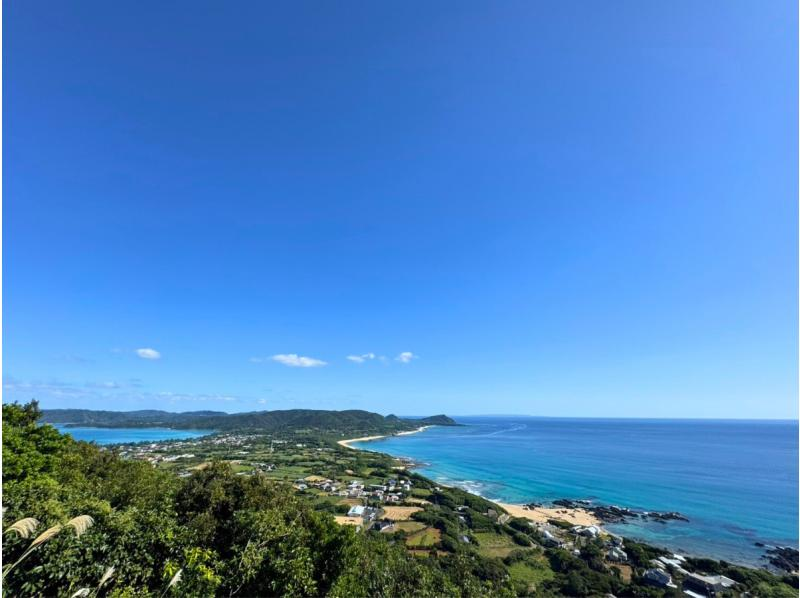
[[128, 435], [736, 481]]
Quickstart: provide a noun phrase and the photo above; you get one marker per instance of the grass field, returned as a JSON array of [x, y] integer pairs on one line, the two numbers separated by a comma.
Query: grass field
[[529, 575], [492, 544], [409, 526], [625, 571], [348, 501], [417, 501], [424, 538]]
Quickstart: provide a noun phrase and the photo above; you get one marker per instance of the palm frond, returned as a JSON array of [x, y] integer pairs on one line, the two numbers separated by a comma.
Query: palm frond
[[81, 593]]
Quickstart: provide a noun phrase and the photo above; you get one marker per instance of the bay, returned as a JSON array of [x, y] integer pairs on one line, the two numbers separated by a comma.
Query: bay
[[106, 436]]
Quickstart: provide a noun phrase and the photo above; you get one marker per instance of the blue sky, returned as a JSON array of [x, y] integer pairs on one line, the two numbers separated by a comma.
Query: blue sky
[[545, 208]]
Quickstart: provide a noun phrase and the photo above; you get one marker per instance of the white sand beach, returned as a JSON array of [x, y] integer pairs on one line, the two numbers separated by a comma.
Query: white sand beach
[[348, 442], [542, 514]]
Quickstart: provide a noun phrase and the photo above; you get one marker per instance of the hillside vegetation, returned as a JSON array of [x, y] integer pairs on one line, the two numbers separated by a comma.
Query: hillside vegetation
[[248, 514], [351, 421]]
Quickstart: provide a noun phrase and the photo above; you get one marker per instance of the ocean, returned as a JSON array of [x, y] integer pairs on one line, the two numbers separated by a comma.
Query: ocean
[[128, 435], [736, 481]]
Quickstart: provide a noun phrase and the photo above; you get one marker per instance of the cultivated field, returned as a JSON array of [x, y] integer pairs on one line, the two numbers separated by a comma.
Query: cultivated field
[[424, 539], [344, 520], [399, 513]]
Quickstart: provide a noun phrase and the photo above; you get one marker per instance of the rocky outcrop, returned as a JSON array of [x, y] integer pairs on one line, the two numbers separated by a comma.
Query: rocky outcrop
[[784, 558], [614, 514]]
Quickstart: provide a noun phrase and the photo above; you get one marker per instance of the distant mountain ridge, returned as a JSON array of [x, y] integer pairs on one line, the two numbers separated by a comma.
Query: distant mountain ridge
[[353, 420]]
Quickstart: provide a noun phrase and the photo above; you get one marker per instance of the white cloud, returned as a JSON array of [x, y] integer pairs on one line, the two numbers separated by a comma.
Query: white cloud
[[148, 353], [406, 357], [361, 358], [298, 361]]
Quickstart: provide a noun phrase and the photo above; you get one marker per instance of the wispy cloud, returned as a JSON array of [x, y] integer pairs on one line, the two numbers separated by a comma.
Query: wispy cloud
[[406, 357], [109, 385], [361, 358], [56, 393], [23, 390], [174, 397], [148, 353], [298, 361]]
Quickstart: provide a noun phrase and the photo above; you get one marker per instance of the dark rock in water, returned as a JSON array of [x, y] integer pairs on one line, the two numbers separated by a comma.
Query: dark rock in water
[[668, 516], [614, 514], [784, 558], [759, 544]]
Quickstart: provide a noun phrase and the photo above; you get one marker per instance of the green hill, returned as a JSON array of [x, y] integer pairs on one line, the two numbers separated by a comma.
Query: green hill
[[351, 421]]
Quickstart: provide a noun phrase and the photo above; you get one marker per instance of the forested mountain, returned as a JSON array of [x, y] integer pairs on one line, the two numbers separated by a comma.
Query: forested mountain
[[350, 421], [145, 417]]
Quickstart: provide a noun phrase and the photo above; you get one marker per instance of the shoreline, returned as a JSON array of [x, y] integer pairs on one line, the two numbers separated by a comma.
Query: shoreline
[[575, 516], [346, 443]]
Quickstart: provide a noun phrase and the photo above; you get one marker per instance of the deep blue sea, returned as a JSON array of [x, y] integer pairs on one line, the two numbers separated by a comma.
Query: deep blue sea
[[128, 435], [736, 481]]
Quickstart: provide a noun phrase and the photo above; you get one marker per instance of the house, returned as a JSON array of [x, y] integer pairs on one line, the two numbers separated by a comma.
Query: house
[[550, 541], [672, 562], [617, 555], [383, 525], [708, 584], [658, 577], [591, 531], [370, 513], [356, 511]]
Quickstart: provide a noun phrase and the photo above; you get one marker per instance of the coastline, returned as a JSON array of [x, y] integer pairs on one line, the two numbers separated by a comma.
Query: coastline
[[349, 441], [601, 516], [574, 516]]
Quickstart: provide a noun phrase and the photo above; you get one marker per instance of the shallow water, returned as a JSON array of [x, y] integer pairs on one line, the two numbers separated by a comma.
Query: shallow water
[[736, 481], [128, 435]]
